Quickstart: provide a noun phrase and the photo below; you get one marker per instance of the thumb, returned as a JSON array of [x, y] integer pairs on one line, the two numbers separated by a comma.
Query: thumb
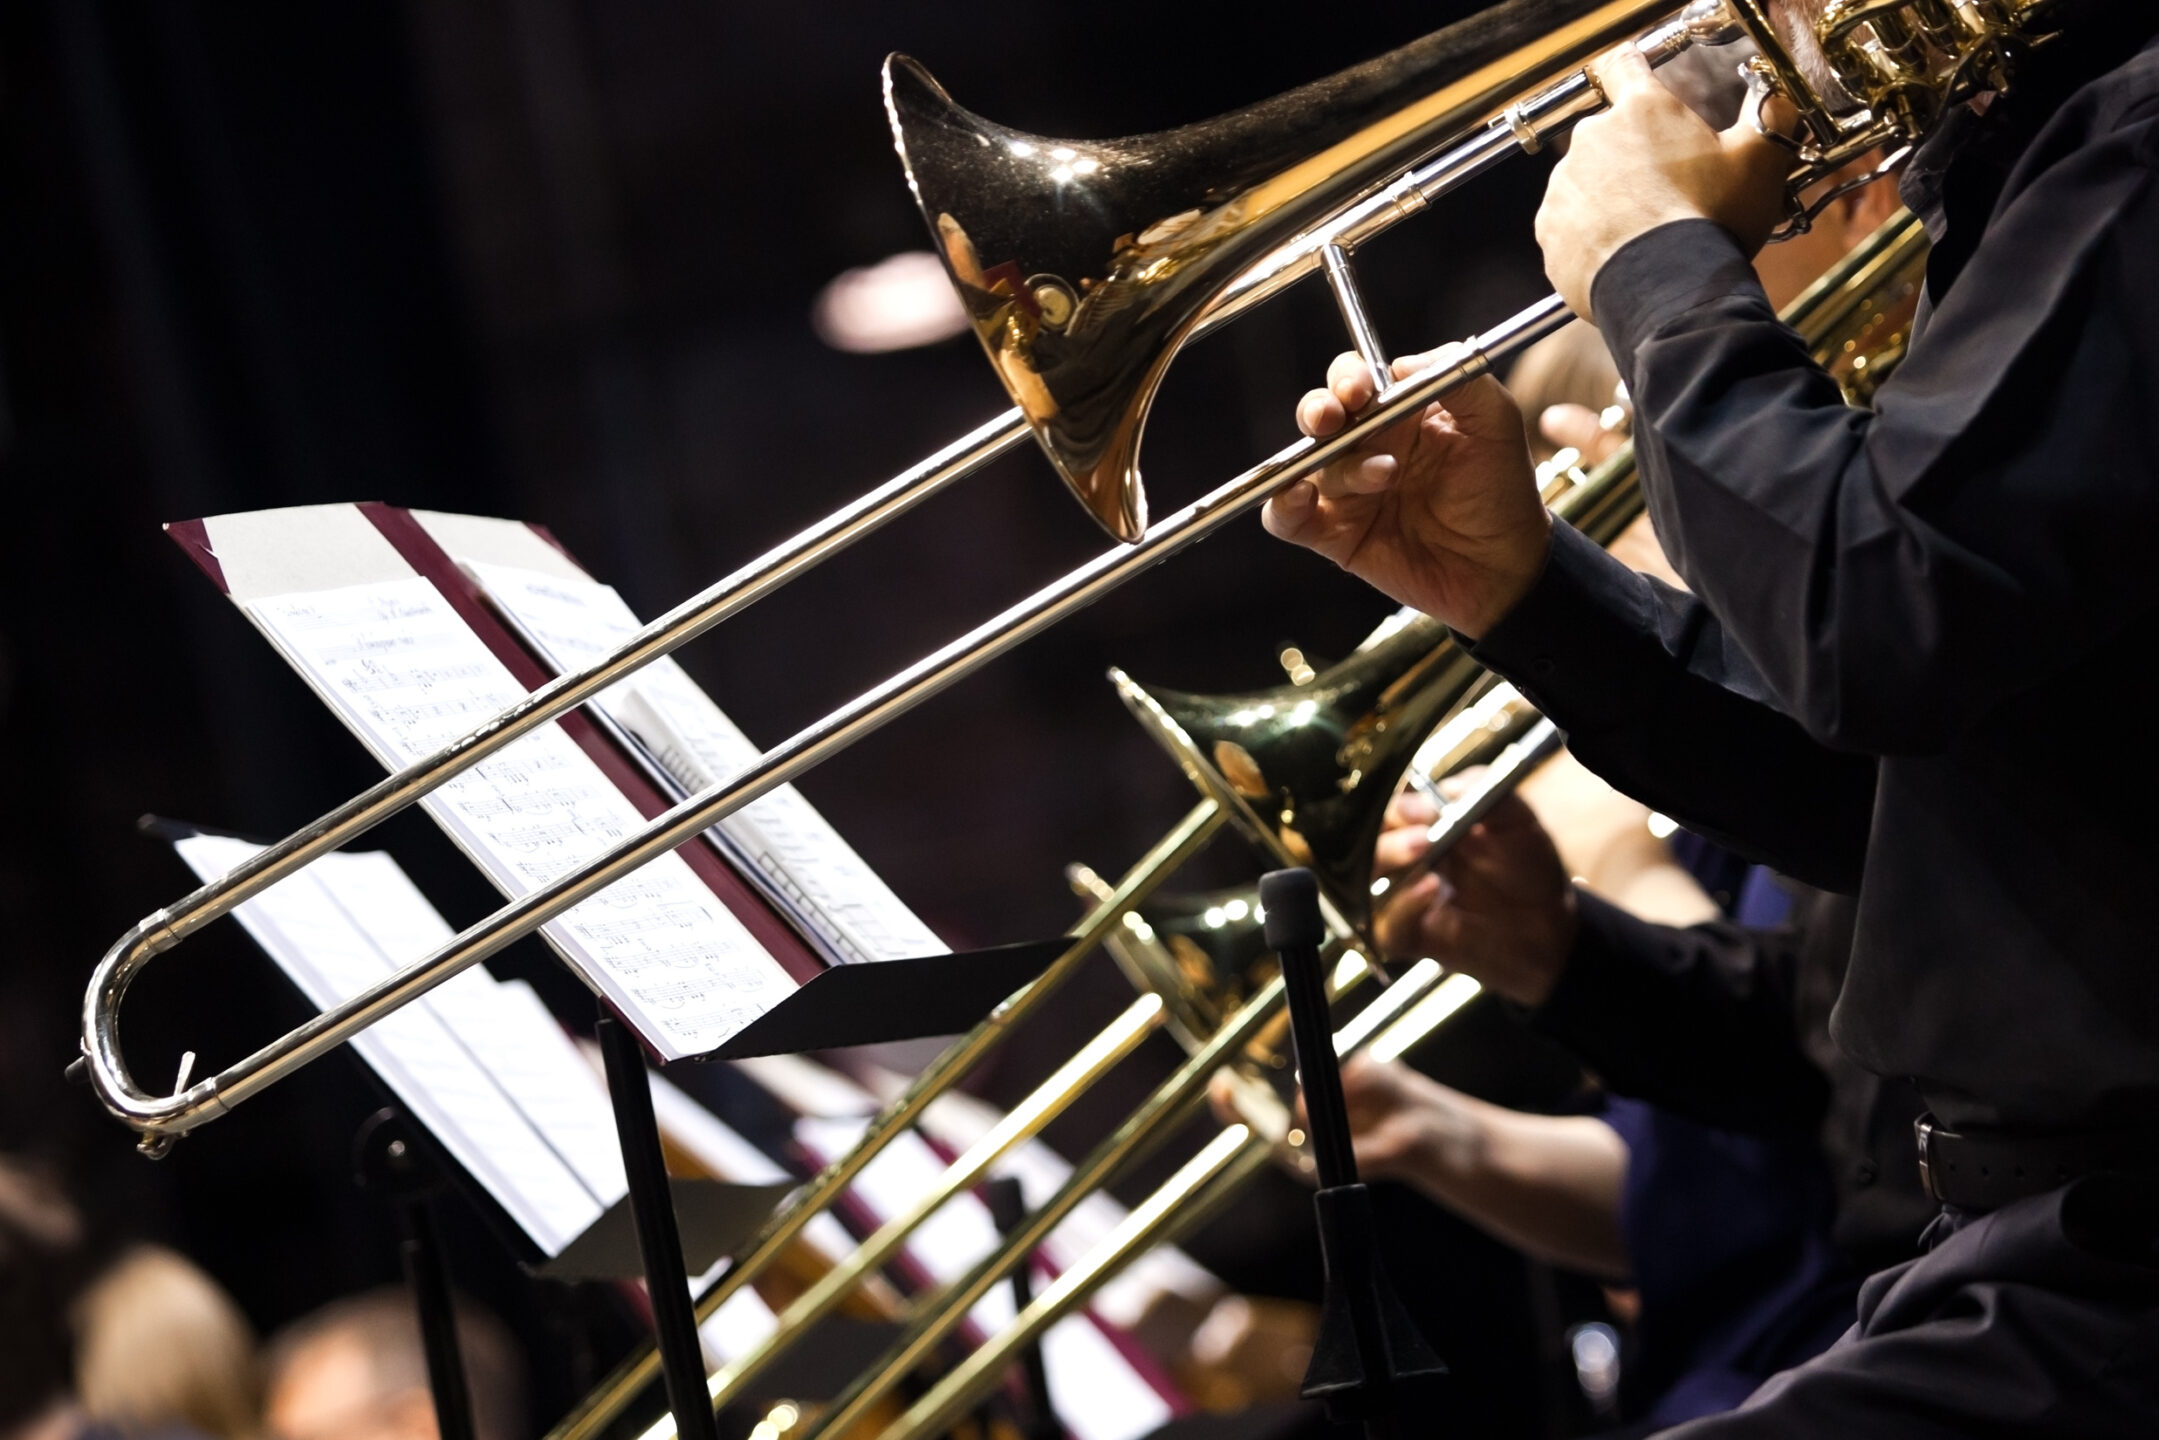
[[1767, 165], [1483, 409], [1621, 73]]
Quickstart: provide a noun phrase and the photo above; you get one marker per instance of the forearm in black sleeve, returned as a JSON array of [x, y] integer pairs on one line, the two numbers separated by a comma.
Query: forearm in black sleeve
[[1653, 698], [1696, 1020]]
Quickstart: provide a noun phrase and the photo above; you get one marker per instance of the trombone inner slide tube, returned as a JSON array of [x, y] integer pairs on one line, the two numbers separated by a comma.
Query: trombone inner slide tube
[[163, 1117]]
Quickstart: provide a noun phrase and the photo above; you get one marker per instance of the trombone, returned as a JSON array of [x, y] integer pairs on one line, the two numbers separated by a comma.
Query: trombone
[[1854, 321], [1472, 93]]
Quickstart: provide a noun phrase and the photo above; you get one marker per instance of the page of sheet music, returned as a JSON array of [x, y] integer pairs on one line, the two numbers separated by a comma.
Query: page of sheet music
[[311, 925], [407, 675], [1095, 1390], [794, 850]]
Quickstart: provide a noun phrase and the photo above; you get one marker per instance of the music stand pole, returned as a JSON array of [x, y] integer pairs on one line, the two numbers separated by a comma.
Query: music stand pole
[[1008, 1209], [390, 1159], [1367, 1344], [659, 1242]]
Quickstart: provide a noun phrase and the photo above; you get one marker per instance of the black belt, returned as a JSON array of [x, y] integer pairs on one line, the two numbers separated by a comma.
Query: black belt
[[1989, 1170]]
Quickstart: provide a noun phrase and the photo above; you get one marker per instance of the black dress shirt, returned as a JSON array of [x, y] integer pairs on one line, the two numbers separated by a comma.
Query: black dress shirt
[[1730, 1025], [1919, 663]]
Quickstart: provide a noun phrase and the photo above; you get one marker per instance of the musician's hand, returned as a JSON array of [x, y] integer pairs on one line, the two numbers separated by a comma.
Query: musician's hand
[[1405, 1126], [1498, 906], [1439, 512], [1581, 429], [1644, 162]]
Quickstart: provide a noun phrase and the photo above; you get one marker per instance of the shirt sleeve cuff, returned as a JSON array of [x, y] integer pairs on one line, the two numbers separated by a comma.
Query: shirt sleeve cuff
[[1662, 273], [1573, 643]]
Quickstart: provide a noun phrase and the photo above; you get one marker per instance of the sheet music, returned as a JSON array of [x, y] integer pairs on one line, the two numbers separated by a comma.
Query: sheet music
[[349, 920], [795, 853], [1097, 1393], [408, 676]]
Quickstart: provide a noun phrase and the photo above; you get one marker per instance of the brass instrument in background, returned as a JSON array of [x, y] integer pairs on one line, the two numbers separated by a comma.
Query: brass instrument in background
[[1513, 60], [1502, 83], [1305, 769], [1217, 998], [1181, 261]]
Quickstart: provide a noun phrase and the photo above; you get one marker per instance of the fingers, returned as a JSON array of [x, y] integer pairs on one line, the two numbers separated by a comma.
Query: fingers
[[1319, 414], [1573, 425], [1462, 781], [1400, 848], [1357, 475], [1481, 409], [1400, 924], [1765, 165], [1222, 1097], [1351, 381], [1288, 515], [1622, 73], [1410, 807]]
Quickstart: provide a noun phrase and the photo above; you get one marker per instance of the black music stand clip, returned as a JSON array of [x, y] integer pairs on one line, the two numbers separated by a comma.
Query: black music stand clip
[[875, 1002], [1368, 1349]]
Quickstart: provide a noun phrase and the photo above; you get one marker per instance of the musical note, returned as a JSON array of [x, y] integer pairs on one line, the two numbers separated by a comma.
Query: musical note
[[408, 676], [780, 840]]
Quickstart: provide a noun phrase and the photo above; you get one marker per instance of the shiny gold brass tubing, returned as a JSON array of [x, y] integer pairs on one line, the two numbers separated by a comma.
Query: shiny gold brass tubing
[[1049, 1100], [600, 1409], [1186, 1200], [1151, 1122]]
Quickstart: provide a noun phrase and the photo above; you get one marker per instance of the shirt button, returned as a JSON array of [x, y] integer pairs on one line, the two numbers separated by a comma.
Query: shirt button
[[1541, 667], [1864, 1173]]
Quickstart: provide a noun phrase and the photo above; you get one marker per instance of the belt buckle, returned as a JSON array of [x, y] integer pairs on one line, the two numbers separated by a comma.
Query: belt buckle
[[1923, 1135]]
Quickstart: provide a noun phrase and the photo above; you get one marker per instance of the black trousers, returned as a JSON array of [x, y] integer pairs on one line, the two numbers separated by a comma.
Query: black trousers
[[2041, 1318]]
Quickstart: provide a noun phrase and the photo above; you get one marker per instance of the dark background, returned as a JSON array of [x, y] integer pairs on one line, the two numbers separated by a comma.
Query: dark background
[[554, 260]]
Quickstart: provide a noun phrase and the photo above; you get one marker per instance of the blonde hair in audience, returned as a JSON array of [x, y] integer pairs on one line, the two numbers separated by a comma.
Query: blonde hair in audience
[[160, 1344]]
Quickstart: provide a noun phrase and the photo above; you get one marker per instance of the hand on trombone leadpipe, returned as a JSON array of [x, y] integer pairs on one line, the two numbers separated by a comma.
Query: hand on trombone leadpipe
[[1440, 511], [1498, 906], [1645, 161]]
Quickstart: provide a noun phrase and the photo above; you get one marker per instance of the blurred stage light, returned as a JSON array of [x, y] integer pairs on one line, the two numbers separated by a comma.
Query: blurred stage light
[[896, 304]]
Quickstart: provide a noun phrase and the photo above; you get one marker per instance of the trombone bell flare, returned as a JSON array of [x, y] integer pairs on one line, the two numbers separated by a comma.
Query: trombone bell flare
[[1307, 770], [1085, 264]]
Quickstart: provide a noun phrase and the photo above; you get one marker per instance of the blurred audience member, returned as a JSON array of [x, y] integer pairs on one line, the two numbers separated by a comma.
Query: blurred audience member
[[40, 1269], [356, 1370], [159, 1344]]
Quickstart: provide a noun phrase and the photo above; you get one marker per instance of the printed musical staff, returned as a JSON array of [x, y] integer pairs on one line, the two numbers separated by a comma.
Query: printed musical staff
[[408, 676], [785, 845]]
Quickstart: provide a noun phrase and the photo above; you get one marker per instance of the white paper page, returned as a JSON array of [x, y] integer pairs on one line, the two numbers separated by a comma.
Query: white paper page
[[301, 925], [734, 1328], [408, 676], [1095, 1391], [504, 1026], [510, 1030], [577, 622]]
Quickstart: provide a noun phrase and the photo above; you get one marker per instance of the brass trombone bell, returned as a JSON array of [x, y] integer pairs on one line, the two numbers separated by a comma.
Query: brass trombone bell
[[1085, 265]]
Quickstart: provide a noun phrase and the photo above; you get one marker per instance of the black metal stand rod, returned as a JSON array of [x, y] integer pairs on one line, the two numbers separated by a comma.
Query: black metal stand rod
[[1295, 931], [1008, 1208], [652, 1206], [430, 1283]]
